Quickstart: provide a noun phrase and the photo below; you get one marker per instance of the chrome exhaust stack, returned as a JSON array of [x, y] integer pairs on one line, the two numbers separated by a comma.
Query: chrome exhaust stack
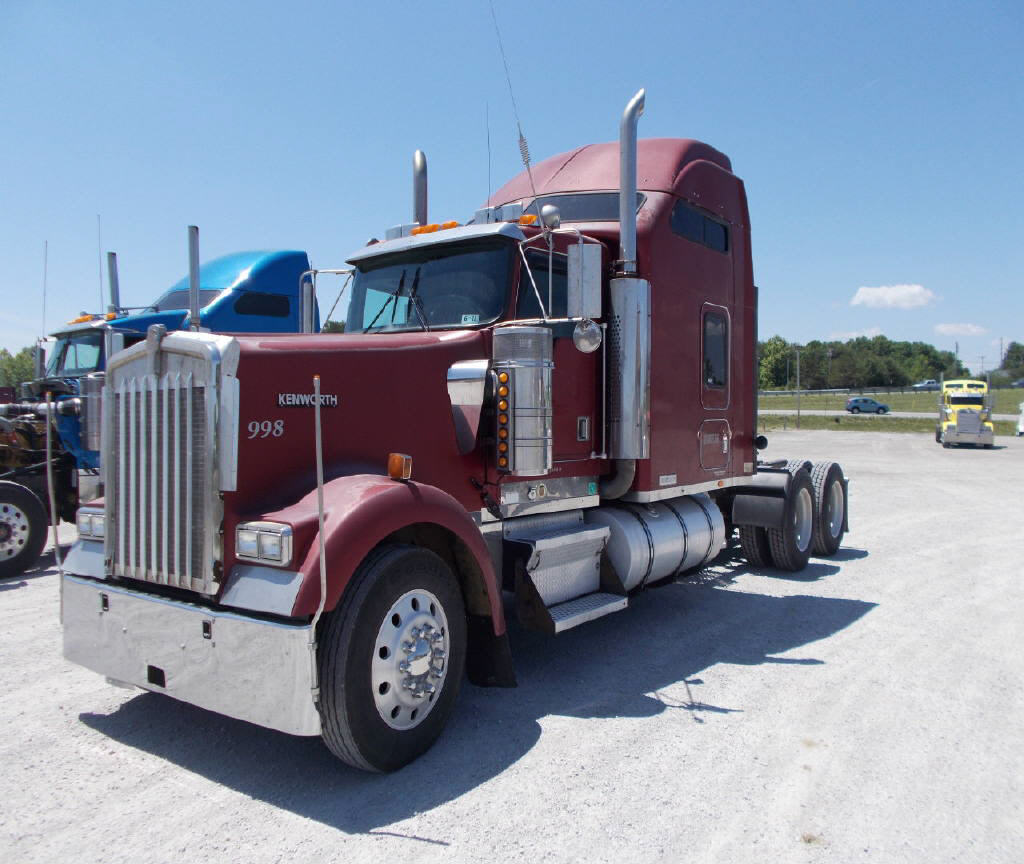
[[627, 182], [419, 187], [115, 285], [193, 277], [629, 327]]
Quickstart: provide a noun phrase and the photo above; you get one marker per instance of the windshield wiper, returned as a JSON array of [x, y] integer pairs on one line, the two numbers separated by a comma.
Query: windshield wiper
[[417, 303], [391, 299]]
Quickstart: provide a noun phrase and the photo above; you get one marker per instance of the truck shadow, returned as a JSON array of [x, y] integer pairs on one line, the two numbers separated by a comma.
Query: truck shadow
[[617, 666]]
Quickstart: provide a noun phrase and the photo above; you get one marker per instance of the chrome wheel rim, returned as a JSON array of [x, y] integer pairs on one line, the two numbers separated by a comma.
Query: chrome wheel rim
[[13, 531], [803, 519], [410, 659], [835, 509]]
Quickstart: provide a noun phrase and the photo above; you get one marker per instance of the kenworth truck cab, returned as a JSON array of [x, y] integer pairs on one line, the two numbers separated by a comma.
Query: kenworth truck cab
[[247, 292], [965, 416], [555, 402]]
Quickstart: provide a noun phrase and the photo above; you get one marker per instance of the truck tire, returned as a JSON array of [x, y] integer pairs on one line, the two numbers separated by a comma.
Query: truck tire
[[829, 508], [391, 659], [23, 525], [938, 434], [755, 546], [791, 544]]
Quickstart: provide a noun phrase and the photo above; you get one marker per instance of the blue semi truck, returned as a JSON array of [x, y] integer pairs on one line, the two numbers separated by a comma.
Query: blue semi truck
[[245, 292]]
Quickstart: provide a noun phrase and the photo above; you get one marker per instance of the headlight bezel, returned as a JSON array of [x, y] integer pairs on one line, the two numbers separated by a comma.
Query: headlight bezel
[[259, 539], [91, 523]]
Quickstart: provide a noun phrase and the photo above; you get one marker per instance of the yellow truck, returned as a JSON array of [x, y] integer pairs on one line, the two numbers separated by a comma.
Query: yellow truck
[[965, 417]]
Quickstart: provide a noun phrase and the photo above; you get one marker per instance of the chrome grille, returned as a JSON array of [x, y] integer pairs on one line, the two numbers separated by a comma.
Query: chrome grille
[[159, 476], [968, 422]]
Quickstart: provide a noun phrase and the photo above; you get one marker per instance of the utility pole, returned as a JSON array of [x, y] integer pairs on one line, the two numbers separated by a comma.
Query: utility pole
[[982, 359], [787, 371], [797, 388]]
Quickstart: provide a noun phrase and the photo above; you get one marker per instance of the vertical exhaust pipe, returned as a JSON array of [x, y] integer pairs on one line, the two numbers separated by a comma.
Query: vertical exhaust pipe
[[629, 356], [627, 182], [419, 187], [193, 277], [115, 285]]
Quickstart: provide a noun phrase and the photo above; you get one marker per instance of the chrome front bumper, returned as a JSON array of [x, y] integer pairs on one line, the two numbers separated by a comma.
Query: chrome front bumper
[[952, 436], [253, 670]]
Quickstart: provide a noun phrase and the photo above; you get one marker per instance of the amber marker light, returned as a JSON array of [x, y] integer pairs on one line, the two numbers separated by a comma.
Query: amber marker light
[[503, 377], [502, 462], [528, 219], [399, 466], [503, 433], [426, 229], [446, 225], [502, 405], [503, 419], [503, 391]]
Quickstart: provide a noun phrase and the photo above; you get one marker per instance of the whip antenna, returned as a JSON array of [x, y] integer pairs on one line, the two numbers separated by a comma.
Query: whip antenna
[[524, 148]]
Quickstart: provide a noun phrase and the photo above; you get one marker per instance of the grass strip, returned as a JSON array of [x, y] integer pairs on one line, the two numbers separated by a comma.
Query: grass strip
[[862, 423]]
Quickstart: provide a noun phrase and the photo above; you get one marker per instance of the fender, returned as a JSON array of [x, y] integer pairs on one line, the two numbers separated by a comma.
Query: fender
[[359, 512]]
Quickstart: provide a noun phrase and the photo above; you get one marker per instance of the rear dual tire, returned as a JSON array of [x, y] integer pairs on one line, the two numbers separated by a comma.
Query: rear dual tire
[[791, 544]]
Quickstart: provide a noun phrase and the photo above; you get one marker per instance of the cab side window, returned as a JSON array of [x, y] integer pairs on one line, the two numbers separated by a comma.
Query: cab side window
[[716, 350]]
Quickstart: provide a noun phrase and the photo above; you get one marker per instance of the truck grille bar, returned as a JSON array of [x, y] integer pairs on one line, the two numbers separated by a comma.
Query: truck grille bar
[[163, 427]]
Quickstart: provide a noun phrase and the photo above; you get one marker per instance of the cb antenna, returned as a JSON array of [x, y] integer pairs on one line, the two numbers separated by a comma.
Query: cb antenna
[[524, 148]]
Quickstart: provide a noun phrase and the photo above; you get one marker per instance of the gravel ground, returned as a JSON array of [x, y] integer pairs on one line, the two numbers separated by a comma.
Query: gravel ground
[[869, 708]]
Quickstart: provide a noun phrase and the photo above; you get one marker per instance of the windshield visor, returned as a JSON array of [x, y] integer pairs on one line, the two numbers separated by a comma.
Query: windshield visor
[[75, 355]]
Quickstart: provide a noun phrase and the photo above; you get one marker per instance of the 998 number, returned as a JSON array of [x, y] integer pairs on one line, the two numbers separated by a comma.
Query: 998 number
[[266, 428]]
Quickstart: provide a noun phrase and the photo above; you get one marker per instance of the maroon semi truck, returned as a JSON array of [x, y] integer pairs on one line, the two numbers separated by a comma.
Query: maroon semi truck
[[555, 401]]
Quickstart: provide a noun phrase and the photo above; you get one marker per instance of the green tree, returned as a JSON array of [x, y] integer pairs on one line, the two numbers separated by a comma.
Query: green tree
[[16, 368], [772, 367], [1013, 359], [333, 327]]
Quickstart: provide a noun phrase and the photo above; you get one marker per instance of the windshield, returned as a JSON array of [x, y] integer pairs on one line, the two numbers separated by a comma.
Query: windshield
[[434, 287], [972, 400], [75, 355], [178, 299]]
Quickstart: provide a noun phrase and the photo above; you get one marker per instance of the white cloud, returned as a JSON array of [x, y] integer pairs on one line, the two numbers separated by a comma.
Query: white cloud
[[847, 335], [960, 330], [893, 296]]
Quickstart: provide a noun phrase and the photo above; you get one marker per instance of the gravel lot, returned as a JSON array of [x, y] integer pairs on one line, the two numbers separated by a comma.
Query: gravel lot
[[869, 708]]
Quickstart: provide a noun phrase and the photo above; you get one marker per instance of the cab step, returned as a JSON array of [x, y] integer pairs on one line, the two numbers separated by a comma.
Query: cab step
[[572, 613], [557, 569]]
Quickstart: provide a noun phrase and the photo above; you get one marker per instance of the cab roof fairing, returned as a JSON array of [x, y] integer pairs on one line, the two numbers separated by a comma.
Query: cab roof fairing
[[595, 168]]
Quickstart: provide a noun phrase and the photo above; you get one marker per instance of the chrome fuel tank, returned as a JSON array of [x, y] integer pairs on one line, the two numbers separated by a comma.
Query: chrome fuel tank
[[648, 542]]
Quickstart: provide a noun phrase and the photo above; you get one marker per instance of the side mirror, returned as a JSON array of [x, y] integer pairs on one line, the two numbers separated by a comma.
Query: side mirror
[[39, 361], [584, 294]]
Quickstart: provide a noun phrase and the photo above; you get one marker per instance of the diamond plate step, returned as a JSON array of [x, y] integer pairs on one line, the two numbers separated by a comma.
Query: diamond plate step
[[583, 609]]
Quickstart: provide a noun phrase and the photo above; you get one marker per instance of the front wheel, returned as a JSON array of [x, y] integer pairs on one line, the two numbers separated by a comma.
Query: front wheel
[[791, 544], [880, 411], [22, 528], [855, 410], [391, 659]]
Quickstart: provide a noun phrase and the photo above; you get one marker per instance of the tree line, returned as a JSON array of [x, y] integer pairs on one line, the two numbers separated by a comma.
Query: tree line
[[861, 362]]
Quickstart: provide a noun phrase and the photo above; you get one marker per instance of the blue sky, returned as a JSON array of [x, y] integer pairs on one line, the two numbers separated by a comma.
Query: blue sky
[[880, 142]]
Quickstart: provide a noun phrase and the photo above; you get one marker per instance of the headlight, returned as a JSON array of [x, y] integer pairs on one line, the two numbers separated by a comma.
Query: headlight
[[91, 523], [268, 542]]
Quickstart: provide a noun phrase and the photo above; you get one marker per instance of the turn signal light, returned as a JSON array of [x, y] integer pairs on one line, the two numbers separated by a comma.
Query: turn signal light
[[503, 377], [528, 219], [399, 466], [503, 391], [426, 229]]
